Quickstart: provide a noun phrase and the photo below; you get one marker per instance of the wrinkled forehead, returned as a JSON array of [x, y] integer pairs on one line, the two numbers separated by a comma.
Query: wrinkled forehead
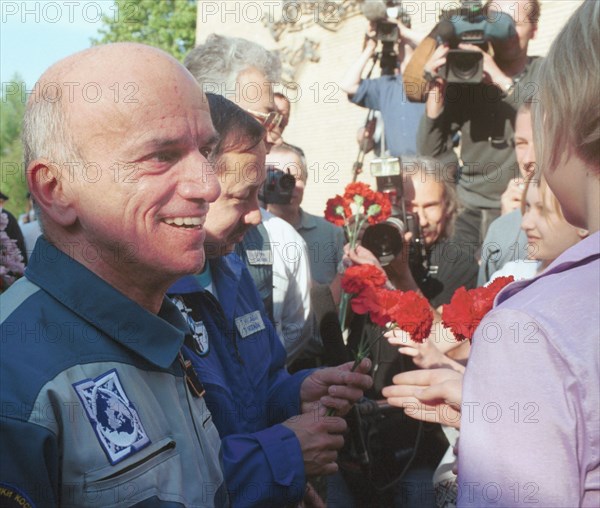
[[138, 104], [423, 186], [255, 91]]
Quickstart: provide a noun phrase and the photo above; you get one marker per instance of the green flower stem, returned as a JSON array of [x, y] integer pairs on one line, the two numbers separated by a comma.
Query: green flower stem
[[345, 298], [362, 353], [343, 309]]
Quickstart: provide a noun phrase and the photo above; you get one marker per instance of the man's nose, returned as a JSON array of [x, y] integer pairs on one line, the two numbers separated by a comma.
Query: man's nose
[[253, 217], [200, 182], [273, 137]]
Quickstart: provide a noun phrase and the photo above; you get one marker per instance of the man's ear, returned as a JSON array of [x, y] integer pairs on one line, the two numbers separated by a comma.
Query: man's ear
[[47, 186]]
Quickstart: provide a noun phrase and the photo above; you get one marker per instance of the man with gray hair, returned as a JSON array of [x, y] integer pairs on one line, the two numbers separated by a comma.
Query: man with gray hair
[[99, 407], [243, 72]]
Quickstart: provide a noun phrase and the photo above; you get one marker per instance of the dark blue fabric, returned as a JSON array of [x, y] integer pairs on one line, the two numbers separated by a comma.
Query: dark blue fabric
[[248, 389]]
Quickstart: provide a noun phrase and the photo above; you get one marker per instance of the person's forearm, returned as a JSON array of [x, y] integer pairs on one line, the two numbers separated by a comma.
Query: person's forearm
[[400, 275], [349, 83], [336, 289], [435, 101], [413, 37]]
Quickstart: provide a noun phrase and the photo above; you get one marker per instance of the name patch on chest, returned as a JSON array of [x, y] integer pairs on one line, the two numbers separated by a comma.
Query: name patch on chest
[[260, 257], [113, 416], [249, 324]]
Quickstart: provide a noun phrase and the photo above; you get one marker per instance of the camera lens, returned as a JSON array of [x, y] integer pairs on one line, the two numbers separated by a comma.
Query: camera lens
[[287, 182], [465, 65], [385, 239]]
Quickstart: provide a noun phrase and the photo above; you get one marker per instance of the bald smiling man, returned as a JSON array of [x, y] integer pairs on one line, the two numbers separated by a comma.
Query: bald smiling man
[[99, 407]]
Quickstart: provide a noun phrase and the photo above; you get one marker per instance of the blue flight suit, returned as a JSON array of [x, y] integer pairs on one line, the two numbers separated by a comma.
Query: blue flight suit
[[95, 408], [241, 363]]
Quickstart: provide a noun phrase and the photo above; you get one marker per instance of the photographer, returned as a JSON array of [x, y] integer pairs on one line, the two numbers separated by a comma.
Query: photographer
[[386, 93], [484, 113], [433, 199], [325, 241]]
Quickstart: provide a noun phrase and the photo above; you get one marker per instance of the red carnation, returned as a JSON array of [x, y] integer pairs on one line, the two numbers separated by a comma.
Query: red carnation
[[377, 302], [457, 315], [363, 302], [467, 308], [413, 315], [358, 189], [498, 284], [384, 306], [380, 209], [358, 277], [337, 210]]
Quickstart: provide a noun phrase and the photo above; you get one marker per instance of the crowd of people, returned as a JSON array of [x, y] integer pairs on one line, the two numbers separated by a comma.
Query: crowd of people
[[166, 333]]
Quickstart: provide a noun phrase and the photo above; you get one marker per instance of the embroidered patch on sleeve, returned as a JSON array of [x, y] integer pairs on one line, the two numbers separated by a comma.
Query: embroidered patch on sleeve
[[113, 416], [249, 324], [11, 496], [197, 328]]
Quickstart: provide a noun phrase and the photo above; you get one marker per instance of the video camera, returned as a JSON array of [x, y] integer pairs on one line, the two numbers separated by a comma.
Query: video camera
[[386, 239], [387, 32], [470, 24], [278, 187]]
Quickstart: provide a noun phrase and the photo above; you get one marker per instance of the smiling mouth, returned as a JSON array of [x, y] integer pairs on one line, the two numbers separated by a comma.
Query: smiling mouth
[[184, 222]]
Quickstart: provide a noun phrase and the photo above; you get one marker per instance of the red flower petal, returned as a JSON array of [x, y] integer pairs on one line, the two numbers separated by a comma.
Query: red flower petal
[[337, 210], [357, 278], [467, 308]]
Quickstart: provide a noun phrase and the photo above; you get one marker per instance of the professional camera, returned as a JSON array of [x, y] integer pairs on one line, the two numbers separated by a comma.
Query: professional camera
[[278, 187], [386, 239], [469, 24], [387, 32]]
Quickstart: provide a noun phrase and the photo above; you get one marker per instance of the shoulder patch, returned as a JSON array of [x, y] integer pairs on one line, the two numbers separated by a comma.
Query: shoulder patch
[[12, 496], [112, 415]]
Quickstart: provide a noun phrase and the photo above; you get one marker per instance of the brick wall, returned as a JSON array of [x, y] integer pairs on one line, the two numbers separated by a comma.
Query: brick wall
[[323, 122]]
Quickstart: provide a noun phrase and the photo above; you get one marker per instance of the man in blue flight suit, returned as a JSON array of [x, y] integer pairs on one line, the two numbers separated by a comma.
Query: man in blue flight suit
[[273, 424], [97, 409]]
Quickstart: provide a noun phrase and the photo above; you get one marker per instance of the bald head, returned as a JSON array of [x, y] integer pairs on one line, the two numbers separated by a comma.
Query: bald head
[[91, 86]]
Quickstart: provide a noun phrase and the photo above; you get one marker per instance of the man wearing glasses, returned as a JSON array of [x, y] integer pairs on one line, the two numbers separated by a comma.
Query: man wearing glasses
[[243, 72]]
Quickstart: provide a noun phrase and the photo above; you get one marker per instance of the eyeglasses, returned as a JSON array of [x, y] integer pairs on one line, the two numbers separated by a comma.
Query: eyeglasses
[[271, 120]]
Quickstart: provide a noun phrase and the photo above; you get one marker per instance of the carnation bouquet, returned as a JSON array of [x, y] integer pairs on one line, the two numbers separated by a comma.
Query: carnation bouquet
[[391, 309], [359, 205], [387, 308]]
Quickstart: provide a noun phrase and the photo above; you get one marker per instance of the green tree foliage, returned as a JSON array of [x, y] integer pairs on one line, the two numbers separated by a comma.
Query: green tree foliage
[[12, 176], [166, 24]]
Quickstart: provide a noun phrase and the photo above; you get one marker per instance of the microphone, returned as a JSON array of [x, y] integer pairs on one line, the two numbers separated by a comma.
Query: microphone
[[444, 31], [374, 11]]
